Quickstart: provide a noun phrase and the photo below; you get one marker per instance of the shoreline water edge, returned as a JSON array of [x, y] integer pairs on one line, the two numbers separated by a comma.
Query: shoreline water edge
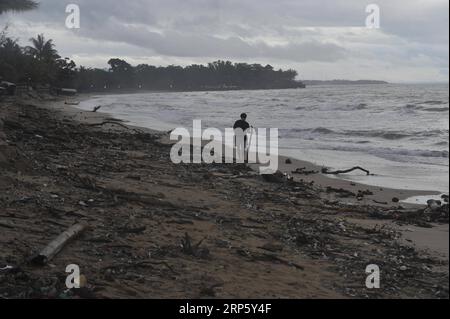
[[385, 193]]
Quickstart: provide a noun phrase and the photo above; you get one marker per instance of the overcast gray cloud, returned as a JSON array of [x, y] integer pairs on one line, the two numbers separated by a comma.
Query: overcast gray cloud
[[323, 39]]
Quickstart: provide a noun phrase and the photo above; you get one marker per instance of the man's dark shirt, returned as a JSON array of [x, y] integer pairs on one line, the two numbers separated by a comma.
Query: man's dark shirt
[[242, 125]]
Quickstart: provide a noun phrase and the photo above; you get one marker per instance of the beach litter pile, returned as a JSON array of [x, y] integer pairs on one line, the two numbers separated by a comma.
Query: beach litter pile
[[108, 199]]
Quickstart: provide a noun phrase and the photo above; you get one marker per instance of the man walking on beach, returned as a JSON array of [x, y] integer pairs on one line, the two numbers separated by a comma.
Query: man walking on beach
[[240, 128]]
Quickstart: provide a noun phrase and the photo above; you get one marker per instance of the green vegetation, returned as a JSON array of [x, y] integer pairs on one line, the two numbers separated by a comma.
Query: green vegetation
[[40, 64], [35, 64]]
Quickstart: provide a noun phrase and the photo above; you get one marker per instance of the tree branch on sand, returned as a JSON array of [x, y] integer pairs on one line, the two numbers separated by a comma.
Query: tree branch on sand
[[326, 171]]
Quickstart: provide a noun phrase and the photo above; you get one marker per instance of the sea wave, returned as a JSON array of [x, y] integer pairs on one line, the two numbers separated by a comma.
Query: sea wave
[[380, 134], [434, 102], [391, 153], [436, 109], [387, 135], [352, 107], [323, 130]]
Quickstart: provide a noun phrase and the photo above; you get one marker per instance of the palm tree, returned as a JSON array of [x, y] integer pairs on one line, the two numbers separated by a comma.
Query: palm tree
[[17, 5], [43, 50]]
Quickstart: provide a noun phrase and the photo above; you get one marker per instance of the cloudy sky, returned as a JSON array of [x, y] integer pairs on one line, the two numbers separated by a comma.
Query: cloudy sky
[[322, 39]]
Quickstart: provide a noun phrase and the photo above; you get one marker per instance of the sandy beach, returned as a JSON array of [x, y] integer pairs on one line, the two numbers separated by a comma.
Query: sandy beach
[[160, 230]]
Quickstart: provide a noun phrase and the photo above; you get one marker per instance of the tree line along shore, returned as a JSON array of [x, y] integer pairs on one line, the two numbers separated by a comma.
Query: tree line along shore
[[40, 65]]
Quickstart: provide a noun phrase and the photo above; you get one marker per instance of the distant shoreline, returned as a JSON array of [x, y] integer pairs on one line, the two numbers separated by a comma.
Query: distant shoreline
[[343, 82], [144, 91], [305, 82]]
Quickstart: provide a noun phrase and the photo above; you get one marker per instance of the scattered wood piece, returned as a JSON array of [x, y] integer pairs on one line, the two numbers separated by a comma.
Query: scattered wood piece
[[96, 108], [342, 192], [304, 171], [194, 250], [381, 203], [326, 171], [58, 244]]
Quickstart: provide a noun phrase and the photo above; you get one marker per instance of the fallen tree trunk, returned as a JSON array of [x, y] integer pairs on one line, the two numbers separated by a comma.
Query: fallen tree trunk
[[58, 244], [326, 171]]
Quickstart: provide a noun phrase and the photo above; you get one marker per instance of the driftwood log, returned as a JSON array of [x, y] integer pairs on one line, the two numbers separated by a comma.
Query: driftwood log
[[96, 108], [58, 244], [326, 171]]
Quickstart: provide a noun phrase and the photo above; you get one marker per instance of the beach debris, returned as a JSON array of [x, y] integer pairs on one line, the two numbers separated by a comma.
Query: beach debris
[[434, 205], [277, 177], [420, 217], [380, 202], [52, 249], [395, 200], [341, 192], [194, 250], [71, 103], [365, 193], [325, 170], [304, 171], [96, 108], [436, 211], [288, 161]]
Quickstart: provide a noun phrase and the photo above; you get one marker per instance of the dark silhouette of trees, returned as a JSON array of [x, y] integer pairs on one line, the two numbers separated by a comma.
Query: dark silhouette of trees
[[17, 5], [40, 63], [217, 75], [36, 64], [42, 50], [45, 65]]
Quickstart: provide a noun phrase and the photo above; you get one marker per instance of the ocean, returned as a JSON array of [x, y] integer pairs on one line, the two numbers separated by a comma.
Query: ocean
[[398, 132]]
